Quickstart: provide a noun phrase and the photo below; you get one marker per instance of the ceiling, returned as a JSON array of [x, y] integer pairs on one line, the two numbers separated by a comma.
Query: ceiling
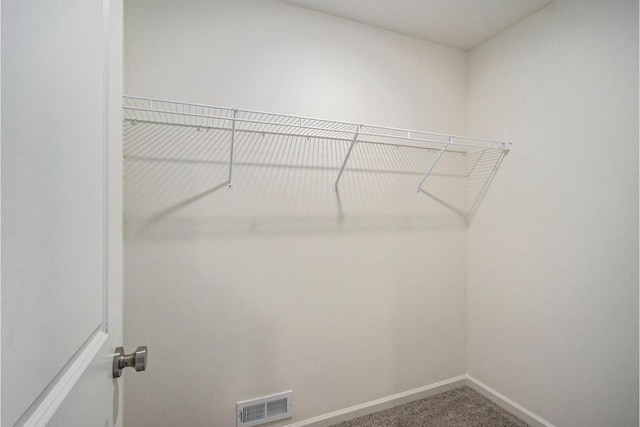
[[459, 23]]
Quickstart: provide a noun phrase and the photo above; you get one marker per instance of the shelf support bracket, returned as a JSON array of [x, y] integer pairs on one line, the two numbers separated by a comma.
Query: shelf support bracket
[[233, 140], [433, 165], [346, 158], [476, 163]]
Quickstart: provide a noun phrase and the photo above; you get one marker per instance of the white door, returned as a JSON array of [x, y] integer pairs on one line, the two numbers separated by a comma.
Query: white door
[[61, 245]]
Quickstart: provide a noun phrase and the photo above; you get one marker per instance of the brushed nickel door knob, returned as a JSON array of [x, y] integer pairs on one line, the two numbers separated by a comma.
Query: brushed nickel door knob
[[136, 360]]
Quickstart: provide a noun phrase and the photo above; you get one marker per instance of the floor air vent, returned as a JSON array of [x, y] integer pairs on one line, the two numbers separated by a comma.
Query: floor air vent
[[264, 410]]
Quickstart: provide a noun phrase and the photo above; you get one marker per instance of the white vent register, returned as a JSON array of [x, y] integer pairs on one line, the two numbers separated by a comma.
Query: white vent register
[[264, 409]]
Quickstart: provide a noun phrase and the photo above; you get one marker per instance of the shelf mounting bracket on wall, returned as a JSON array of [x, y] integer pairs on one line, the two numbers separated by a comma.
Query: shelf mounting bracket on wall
[[433, 165], [346, 158]]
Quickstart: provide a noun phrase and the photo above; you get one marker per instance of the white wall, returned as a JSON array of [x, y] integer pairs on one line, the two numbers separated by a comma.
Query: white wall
[[282, 58], [553, 252], [278, 283]]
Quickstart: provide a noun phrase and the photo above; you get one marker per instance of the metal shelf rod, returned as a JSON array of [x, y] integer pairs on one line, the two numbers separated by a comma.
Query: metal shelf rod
[[477, 161], [315, 128], [303, 135], [433, 165], [233, 139], [311, 118], [346, 158]]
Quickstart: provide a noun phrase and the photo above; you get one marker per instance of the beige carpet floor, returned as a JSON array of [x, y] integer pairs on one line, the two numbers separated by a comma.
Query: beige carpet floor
[[461, 407]]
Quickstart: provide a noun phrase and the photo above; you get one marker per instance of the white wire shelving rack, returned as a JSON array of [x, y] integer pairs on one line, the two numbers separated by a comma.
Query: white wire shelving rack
[[235, 122]]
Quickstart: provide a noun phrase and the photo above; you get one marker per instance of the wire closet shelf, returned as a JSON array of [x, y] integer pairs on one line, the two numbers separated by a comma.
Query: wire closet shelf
[[235, 121]]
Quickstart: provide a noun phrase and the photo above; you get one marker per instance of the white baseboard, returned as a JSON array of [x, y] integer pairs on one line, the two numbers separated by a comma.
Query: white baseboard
[[420, 393], [382, 404], [509, 405]]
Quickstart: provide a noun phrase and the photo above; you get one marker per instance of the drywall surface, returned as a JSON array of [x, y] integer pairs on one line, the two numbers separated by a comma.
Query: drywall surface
[[553, 251], [287, 59], [281, 283]]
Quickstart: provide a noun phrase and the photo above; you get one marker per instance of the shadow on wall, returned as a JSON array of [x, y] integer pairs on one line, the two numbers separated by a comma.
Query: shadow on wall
[[370, 293], [176, 184]]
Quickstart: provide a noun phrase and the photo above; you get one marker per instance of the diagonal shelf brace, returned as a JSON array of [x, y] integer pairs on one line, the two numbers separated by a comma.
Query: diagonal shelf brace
[[233, 140], [346, 158], [485, 186], [476, 163], [433, 165]]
